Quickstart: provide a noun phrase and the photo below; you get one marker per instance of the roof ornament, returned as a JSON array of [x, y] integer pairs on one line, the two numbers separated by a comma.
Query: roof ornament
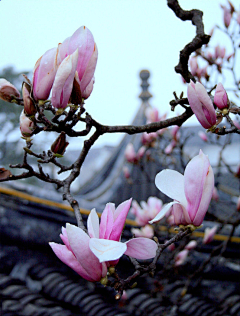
[[145, 94]]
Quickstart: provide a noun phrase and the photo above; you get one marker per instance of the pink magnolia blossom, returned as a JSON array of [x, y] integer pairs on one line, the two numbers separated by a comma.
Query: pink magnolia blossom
[[126, 172], [220, 97], [152, 115], [130, 153], [145, 231], [191, 192], [203, 136], [82, 39], [215, 195], [147, 210], [7, 90], [181, 257], [44, 73], [148, 138], [238, 17], [201, 104], [168, 150], [63, 83], [193, 65], [227, 16], [191, 245], [209, 234], [27, 126], [90, 254]]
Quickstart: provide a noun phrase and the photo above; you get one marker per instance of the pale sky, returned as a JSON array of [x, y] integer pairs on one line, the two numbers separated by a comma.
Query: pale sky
[[131, 35]]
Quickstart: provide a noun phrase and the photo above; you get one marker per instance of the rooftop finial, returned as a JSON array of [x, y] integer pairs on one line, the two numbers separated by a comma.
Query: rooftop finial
[[145, 94]]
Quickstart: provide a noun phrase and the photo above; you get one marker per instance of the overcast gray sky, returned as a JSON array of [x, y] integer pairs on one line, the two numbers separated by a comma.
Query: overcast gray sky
[[130, 34]]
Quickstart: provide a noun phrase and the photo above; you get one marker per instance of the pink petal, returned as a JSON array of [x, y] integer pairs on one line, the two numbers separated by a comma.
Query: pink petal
[[44, 74], [79, 242], [93, 224], [63, 83], [89, 72], [63, 49], [67, 257], [194, 179], [163, 212], [120, 216], [141, 248], [106, 222], [82, 39], [107, 250]]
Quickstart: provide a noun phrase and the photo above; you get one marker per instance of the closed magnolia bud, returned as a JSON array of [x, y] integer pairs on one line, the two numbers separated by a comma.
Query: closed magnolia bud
[[29, 107], [27, 126], [60, 144], [7, 90], [220, 97]]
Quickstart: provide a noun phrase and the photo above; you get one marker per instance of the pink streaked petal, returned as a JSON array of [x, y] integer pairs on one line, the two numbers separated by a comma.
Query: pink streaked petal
[[93, 224], [141, 248], [88, 90], [63, 83], [107, 250], [44, 74], [120, 216], [163, 212], [83, 39], [171, 183], [67, 257], [180, 215], [65, 238], [106, 222], [79, 242], [63, 49], [206, 198], [89, 72], [194, 179]]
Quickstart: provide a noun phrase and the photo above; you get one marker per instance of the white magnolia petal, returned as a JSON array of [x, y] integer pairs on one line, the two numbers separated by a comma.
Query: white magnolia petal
[[171, 183], [107, 250], [93, 224], [163, 212]]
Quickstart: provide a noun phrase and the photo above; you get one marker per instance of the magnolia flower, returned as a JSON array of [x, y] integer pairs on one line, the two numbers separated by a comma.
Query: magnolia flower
[[191, 192], [145, 231], [147, 210], [44, 73], [220, 97], [181, 257], [191, 245], [227, 16], [82, 39], [203, 136], [201, 104], [90, 254], [215, 195], [27, 126], [209, 234], [7, 90], [130, 154], [152, 115], [63, 83]]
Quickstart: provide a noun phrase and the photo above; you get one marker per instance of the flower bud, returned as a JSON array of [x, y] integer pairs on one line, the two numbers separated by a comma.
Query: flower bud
[[209, 234], [220, 97], [29, 106], [201, 104], [226, 17], [26, 125], [203, 136], [60, 144], [7, 90]]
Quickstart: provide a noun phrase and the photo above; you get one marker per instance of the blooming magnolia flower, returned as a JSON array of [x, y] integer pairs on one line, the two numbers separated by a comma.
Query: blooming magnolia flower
[[220, 97], [27, 126], [209, 234], [191, 193], [90, 254], [146, 231], [191, 245], [63, 83], [7, 90], [147, 210], [44, 73], [181, 257], [201, 104]]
